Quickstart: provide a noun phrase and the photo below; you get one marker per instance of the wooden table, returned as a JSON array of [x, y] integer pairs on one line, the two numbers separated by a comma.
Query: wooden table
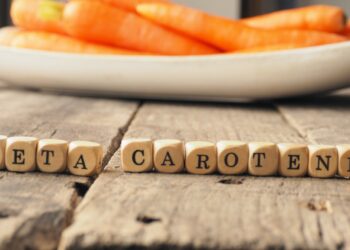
[[157, 211]]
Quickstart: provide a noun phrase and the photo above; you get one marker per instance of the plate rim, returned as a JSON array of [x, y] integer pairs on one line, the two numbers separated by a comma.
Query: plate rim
[[162, 58]]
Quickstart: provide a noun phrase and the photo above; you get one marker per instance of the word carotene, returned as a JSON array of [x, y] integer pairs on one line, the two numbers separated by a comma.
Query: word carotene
[[25, 154], [234, 157]]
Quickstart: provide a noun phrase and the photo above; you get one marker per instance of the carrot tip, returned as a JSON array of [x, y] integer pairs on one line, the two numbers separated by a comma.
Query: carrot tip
[[50, 10]]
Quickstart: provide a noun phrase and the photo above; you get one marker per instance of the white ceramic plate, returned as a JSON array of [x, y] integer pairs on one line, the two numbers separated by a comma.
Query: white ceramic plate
[[221, 77]]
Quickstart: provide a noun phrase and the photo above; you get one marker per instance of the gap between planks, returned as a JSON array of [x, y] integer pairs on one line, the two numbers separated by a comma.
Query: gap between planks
[[311, 224], [155, 120], [111, 151], [116, 141], [46, 115]]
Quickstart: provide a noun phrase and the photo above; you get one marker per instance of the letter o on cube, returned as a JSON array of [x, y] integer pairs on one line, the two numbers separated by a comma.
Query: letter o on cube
[[20, 154], [137, 155], [232, 157], [201, 157]]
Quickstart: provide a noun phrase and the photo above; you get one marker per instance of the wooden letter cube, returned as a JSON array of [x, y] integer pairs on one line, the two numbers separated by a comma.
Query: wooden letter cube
[[85, 158], [232, 157], [323, 161], [294, 159], [263, 159], [201, 157], [21, 154], [3, 140], [137, 155], [344, 160], [52, 155], [169, 156]]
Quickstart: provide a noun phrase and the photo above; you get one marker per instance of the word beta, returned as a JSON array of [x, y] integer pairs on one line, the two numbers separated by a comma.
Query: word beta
[[234, 158], [26, 154]]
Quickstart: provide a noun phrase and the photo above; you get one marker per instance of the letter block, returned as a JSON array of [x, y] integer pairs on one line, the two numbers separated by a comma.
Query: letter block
[[232, 157], [263, 159], [3, 140], [52, 155], [85, 158], [344, 160], [201, 157], [169, 156], [323, 161], [21, 154], [137, 155], [294, 159]]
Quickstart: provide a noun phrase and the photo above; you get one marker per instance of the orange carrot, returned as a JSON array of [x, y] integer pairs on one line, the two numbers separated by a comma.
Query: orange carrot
[[61, 43], [8, 34], [129, 5], [278, 47], [317, 17], [25, 14], [98, 22], [229, 35]]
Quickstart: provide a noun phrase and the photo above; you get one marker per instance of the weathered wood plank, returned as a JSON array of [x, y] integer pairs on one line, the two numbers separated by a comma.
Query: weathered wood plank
[[190, 212], [155, 211], [322, 120], [35, 208]]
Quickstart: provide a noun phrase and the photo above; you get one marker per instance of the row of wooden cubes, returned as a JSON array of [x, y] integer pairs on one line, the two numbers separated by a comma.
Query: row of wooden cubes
[[26, 154], [235, 157]]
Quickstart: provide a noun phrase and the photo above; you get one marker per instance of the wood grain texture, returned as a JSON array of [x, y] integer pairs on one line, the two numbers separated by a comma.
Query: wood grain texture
[[210, 212], [322, 120], [158, 211], [35, 208]]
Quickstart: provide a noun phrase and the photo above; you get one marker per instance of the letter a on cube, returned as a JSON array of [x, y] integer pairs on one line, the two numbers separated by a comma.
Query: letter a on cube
[[169, 156], [85, 158]]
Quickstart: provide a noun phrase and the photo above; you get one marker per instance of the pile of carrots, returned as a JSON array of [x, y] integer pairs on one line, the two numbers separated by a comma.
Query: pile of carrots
[[160, 27]]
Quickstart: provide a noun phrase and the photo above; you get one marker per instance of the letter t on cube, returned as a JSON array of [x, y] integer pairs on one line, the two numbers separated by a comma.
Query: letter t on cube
[[52, 155], [263, 159]]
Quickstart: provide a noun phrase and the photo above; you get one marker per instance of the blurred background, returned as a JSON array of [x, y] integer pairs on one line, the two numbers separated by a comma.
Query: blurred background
[[229, 8]]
